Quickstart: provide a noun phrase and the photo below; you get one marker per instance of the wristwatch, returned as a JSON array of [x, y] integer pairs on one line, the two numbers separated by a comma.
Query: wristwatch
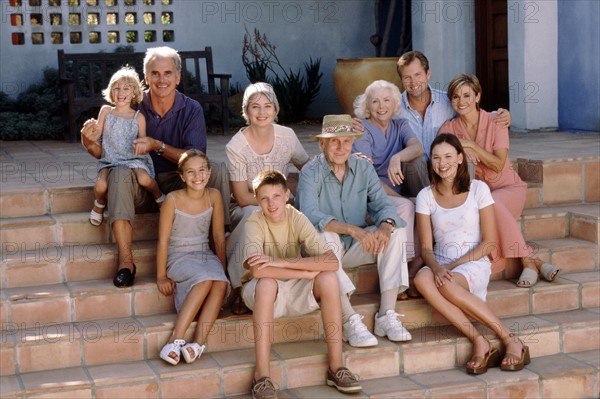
[[160, 151], [390, 221]]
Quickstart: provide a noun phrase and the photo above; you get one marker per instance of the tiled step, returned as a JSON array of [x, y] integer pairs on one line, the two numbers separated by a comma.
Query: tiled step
[[579, 220], [24, 201], [49, 231], [299, 370], [104, 326], [53, 186], [556, 376], [22, 267], [28, 234], [50, 264], [568, 180]]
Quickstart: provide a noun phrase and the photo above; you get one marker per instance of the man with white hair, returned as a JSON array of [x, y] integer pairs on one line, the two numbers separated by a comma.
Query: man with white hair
[[338, 192], [174, 124]]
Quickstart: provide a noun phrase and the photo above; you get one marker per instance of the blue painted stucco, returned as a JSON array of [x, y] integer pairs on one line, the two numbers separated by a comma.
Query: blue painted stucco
[[579, 65]]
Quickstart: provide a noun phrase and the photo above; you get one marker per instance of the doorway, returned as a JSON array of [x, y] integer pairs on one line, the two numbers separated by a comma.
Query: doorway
[[491, 52]]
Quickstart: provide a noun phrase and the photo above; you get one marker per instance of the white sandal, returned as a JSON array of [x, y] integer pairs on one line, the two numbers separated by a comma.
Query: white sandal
[[95, 217], [173, 347], [196, 348]]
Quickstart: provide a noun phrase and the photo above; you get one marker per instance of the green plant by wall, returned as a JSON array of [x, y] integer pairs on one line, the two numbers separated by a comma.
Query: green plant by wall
[[36, 114], [295, 90]]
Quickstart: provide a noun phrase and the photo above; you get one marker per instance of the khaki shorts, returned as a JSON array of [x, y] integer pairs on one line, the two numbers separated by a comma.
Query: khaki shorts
[[294, 297]]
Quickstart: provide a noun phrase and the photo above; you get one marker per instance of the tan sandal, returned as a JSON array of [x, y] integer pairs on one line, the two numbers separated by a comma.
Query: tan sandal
[[528, 278], [491, 359], [524, 360], [549, 271]]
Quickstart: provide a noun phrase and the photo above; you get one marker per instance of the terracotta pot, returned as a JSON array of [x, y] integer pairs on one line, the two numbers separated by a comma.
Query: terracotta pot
[[351, 76]]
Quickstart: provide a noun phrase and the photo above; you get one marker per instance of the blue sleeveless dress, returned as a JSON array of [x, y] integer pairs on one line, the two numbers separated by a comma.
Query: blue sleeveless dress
[[117, 145], [190, 260]]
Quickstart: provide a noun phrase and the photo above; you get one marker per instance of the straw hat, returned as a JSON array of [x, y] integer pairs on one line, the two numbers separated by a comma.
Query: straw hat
[[337, 126]]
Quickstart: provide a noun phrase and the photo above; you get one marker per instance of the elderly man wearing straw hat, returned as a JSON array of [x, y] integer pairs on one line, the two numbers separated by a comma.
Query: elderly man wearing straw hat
[[339, 192]]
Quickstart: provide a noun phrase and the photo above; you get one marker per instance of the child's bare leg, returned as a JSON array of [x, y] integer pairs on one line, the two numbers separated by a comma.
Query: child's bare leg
[[101, 188], [144, 180], [210, 311], [326, 292], [264, 303], [190, 308]]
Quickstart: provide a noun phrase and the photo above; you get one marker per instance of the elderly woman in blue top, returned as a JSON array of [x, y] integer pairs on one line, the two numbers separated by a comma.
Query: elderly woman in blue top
[[336, 191], [395, 152]]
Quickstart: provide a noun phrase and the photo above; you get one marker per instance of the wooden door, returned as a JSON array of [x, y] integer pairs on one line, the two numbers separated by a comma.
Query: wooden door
[[491, 40]]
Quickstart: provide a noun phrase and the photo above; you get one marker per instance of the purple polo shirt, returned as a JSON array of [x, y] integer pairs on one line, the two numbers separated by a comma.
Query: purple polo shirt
[[182, 126], [381, 148]]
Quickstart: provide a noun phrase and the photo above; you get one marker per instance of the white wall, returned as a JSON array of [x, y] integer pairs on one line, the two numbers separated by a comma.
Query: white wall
[[445, 32], [533, 64]]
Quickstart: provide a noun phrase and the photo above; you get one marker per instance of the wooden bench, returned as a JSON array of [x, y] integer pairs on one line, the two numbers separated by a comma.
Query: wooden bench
[[83, 76]]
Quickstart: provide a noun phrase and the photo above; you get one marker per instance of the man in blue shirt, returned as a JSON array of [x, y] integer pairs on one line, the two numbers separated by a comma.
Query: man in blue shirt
[[339, 192], [426, 108], [174, 124]]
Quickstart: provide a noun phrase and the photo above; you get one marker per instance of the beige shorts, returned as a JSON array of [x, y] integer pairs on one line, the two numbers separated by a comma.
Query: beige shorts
[[294, 297]]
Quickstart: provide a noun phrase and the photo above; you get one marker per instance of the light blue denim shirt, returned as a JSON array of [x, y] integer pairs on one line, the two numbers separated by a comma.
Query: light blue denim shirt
[[437, 113], [323, 198]]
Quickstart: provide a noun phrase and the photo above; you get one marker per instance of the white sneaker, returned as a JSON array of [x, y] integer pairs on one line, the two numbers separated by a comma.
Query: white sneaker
[[356, 333], [392, 327]]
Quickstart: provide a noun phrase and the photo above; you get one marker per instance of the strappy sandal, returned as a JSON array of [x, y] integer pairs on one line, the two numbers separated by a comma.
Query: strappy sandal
[[491, 359], [173, 347], [95, 217], [523, 361], [197, 349], [528, 278], [549, 271]]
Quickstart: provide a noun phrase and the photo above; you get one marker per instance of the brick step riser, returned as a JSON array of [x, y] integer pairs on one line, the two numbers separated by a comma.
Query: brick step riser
[[551, 183], [119, 337], [578, 378], [63, 306], [47, 202], [61, 252], [433, 349], [75, 230], [561, 182], [72, 229], [56, 264]]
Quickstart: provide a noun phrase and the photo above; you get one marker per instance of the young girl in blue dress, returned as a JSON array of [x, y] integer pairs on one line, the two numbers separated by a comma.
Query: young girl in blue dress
[[185, 264], [120, 125]]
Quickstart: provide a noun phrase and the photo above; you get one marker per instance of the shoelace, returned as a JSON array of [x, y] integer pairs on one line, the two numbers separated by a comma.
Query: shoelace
[[394, 317], [265, 385], [344, 374], [357, 323]]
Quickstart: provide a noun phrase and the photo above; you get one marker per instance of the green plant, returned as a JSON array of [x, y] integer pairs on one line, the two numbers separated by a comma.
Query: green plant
[[295, 90], [35, 114]]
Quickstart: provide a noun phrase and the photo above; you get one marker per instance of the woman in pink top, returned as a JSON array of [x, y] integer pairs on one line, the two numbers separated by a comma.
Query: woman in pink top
[[486, 146]]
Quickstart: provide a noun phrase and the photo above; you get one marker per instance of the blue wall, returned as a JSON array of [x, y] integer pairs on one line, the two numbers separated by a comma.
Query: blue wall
[[579, 65]]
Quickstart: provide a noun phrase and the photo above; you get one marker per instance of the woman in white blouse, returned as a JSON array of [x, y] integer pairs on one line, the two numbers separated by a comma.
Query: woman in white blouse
[[263, 144]]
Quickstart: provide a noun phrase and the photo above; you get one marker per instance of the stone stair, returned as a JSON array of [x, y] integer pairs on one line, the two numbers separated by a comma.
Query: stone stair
[[67, 332]]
